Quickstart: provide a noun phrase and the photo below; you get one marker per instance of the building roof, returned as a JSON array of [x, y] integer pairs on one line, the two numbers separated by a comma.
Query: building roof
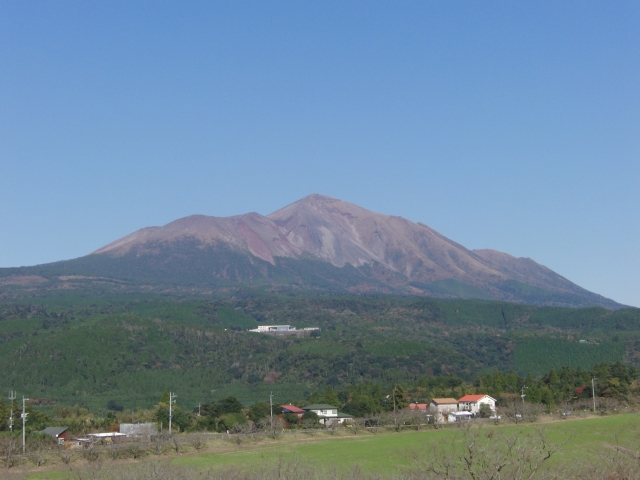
[[292, 408], [54, 432], [419, 406], [474, 398], [444, 401], [106, 434], [344, 415], [319, 406]]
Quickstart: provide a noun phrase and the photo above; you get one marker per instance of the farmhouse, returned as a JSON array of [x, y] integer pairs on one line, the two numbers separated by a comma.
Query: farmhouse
[[328, 414], [59, 433], [442, 407], [473, 403], [422, 407]]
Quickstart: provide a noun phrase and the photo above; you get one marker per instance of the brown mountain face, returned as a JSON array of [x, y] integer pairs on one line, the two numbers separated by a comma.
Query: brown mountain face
[[405, 256]]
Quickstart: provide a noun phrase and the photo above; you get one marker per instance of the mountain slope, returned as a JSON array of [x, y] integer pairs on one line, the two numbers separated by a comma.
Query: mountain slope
[[317, 242]]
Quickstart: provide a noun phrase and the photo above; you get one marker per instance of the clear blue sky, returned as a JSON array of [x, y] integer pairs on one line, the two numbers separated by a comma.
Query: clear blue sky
[[505, 125]]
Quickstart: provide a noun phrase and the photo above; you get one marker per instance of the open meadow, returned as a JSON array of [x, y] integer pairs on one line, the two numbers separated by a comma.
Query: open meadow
[[551, 448]]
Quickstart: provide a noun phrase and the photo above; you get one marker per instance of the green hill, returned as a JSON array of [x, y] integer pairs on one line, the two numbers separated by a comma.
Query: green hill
[[89, 350]]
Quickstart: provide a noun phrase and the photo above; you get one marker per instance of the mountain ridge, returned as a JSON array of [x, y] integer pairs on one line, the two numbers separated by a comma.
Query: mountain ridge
[[322, 242]]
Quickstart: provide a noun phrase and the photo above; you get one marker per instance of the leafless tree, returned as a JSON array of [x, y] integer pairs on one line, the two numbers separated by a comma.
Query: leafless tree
[[174, 444], [197, 442], [356, 425], [416, 418], [532, 411], [9, 450], [65, 456], [91, 454], [135, 451]]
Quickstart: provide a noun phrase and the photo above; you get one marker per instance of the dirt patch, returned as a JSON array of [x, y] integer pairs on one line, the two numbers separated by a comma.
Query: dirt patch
[[23, 280]]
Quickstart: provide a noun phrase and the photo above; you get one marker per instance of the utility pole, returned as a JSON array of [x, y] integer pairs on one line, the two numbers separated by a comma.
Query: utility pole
[[395, 415], [593, 392], [24, 419], [12, 397], [198, 409], [271, 408], [172, 397], [522, 394]]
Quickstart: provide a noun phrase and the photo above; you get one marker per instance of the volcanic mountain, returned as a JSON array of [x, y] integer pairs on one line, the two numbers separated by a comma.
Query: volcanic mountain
[[317, 243]]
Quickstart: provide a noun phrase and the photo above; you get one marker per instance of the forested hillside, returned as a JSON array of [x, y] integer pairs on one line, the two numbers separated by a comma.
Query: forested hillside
[[92, 350]]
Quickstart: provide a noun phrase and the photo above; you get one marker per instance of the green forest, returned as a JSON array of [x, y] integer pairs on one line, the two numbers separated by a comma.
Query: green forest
[[90, 350]]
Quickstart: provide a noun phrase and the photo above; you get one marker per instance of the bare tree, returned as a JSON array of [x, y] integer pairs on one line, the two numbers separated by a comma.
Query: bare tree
[[8, 450], [198, 442], [532, 411], [65, 456], [357, 424]]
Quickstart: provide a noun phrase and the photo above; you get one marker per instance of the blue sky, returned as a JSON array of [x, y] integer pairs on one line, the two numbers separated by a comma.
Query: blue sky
[[505, 125]]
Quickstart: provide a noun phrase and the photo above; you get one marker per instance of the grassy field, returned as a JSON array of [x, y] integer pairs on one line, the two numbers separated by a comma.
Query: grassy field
[[578, 441]]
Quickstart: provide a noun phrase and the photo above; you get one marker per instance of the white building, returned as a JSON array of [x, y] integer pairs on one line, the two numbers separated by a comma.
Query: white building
[[273, 328], [473, 403]]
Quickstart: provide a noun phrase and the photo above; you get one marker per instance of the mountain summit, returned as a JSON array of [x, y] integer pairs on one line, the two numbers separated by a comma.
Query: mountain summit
[[319, 243]]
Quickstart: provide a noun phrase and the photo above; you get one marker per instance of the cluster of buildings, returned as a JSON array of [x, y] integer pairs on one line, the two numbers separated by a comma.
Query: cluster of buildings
[[328, 414], [442, 410], [127, 430], [451, 410]]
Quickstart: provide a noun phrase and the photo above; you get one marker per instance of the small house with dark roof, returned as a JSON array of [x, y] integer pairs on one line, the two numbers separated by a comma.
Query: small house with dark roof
[[59, 433]]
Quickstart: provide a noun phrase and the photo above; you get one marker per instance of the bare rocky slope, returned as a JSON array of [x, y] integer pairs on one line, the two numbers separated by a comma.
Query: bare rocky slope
[[317, 242]]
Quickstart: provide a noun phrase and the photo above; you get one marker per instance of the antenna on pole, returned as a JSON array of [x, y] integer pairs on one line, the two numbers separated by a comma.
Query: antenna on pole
[[172, 397], [12, 397], [24, 419]]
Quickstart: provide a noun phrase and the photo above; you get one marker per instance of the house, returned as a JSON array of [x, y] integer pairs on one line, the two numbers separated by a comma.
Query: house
[[421, 407], [441, 407], [59, 433], [473, 403], [328, 414], [292, 409]]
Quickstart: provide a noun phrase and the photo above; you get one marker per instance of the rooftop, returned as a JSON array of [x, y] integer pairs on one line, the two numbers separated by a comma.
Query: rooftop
[[444, 401], [473, 398], [292, 408], [319, 406], [55, 431]]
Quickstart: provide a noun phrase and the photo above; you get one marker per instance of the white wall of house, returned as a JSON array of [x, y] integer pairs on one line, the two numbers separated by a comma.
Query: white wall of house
[[474, 407]]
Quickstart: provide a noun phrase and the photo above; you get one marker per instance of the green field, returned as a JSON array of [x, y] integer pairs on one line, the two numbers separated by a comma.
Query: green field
[[578, 442]]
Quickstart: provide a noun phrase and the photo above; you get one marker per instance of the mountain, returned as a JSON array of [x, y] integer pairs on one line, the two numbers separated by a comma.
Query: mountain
[[317, 243]]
